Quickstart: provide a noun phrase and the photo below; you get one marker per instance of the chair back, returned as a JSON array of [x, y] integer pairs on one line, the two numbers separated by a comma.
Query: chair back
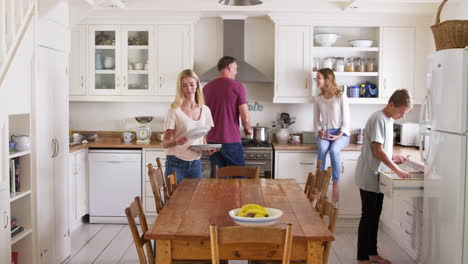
[[171, 183], [317, 185], [250, 235], [329, 211], [158, 162], [157, 180], [141, 243], [236, 171]]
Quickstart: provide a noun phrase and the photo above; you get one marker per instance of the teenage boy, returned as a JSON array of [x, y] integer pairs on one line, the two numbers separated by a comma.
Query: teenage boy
[[376, 155]]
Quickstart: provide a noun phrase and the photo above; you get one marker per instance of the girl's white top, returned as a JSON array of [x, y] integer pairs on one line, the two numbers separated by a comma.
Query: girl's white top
[[332, 113]]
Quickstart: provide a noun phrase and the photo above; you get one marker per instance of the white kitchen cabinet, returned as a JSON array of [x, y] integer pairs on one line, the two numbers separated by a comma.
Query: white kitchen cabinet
[[295, 165], [293, 80], [5, 246], [78, 187], [173, 55], [398, 57], [150, 156], [78, 60], [349, 205], [51, 130]]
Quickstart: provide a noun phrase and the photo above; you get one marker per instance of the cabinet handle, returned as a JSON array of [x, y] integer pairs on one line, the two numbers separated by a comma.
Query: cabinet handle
[[124, 81], [58, 147], [160, 81], [408, 213], [54, 148], [306, 82], [409, 233], [307, 163], [383, 184], [385, 84], [342, 167], [118, 81], [5, 219]]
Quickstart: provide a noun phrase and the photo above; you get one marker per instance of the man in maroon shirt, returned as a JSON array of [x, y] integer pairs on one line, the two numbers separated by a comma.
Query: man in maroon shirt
[[227, 101]]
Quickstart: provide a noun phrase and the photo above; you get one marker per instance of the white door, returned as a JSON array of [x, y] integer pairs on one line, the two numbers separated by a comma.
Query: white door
[[449, 91], [138, 60], [78, 61], [397, 60], [173, 56], [349, 204], [444, 199], [293, 78], [104, 60], [5, 245], [60, 118], [45, 179]]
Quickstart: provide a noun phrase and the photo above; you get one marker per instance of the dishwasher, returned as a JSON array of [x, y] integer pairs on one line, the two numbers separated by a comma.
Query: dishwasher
[[114, 181]]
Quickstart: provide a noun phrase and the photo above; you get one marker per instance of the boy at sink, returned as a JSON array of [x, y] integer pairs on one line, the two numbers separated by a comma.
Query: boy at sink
[[376, 154], [187, 112]]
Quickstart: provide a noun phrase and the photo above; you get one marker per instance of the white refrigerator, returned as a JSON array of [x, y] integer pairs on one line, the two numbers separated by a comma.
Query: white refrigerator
[[444, 117]]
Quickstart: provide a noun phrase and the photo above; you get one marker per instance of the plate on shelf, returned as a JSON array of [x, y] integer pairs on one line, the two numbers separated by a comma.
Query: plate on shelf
[[197, 132], [206, 146]]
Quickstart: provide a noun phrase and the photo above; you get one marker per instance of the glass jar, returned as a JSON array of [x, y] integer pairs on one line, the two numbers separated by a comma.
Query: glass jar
[[359, 64], [315, 64], [349, 65], [370, 65], [328, 62], [339, 64]]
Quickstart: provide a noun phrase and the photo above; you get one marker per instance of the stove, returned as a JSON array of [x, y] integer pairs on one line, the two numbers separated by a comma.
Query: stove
[[259, 155]]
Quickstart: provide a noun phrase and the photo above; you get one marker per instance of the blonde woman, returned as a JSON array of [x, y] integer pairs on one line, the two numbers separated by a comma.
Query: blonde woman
[[188, 111], [331, 121]]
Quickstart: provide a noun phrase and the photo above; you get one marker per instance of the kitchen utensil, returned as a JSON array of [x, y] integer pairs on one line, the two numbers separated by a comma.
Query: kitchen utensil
[[127, 137], [206, 146], [273, 217], [22, 142], [361, 43], [138, 66], [92, 136], [294, 139], [326, 39], [260, 134], [143, 133], [282, 135], [11, 145], [197, 132], [109, 62]]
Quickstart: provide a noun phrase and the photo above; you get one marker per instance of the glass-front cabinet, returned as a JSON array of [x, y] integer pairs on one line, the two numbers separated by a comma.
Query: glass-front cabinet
[[121, 59]]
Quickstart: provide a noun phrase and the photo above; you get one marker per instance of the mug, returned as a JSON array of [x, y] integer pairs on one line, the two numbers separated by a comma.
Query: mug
[[295, 139], [138, 66], [127, 137], [160, 136]]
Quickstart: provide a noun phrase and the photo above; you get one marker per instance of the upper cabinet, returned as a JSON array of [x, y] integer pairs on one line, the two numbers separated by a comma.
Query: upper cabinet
[[128, 62]]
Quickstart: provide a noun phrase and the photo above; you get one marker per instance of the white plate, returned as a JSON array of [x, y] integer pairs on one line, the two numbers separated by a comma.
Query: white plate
[[206, 146], [197, 132], [273, 218]]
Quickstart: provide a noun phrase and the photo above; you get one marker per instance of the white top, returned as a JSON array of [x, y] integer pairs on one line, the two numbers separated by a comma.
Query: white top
[[332, 113], [177, 120]]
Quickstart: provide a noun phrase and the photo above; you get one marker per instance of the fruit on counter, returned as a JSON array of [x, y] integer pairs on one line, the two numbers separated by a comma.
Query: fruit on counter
[[252, 210]]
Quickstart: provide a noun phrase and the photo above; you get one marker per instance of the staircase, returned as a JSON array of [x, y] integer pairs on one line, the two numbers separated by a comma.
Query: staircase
[[15, 16]]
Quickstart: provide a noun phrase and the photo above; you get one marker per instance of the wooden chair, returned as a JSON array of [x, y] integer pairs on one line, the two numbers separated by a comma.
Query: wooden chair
[[171, 182], [328, 210], [141, 243], [157, 180], [236, 171], [158, 162], [251, 235], [317, 185]]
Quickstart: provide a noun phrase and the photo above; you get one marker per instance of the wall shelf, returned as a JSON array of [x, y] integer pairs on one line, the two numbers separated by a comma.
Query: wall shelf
[[23, 234], [105, 47], [344, 74], [346, 49], [105, 71], [19, 154], [17, 195], [138, 47]]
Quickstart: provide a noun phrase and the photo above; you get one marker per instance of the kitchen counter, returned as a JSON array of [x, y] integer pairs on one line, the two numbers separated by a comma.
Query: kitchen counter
[[310, 147], [114, 143]]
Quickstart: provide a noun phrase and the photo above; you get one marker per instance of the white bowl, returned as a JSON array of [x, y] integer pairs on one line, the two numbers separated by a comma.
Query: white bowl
[[361, 43], [326, 39], [273, 217]]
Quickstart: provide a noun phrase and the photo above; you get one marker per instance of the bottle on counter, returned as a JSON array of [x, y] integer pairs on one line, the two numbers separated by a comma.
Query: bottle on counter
[[359, 136]]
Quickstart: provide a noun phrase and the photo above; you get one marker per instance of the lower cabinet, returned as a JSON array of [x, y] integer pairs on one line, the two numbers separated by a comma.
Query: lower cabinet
[[149, 156], [5, 234], [78, 187], [349, 205], [295, 165]]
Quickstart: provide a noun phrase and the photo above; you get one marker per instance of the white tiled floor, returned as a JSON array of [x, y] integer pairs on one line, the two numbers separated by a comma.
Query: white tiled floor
[[112, 244]]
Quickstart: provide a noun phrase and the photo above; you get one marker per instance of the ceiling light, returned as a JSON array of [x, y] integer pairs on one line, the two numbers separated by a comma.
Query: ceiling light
[[240, 2]]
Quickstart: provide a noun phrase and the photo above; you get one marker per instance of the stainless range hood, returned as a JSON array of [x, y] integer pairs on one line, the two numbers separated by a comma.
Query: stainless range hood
[[233, 38]]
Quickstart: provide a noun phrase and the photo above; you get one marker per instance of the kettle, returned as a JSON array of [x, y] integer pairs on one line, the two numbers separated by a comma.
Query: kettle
[[22, 142]]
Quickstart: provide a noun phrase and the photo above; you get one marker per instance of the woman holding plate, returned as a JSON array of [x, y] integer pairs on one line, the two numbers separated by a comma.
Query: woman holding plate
[[187, 121]]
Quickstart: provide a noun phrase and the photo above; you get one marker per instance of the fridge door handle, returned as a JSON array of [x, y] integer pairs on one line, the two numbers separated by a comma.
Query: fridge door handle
[[423, 127]]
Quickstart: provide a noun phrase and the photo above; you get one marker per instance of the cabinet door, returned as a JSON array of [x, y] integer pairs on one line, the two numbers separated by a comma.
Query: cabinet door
[[173, 56], [5, 246], [72, 189], [104, 60], [4, 151], [350, 199], [137, 60], [397, 59], [78, 61], [295, 165], [82, 183], [293, 79]]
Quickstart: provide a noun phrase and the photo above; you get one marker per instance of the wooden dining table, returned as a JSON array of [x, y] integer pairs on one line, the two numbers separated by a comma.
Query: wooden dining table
[[182, 227]]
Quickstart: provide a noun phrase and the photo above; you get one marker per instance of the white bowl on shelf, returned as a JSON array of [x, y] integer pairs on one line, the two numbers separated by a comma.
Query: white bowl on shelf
[[326, 39], [273, 217], [361, 43]]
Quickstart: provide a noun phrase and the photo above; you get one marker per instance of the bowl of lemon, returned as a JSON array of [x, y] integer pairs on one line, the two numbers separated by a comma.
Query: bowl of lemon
[[255, 215]]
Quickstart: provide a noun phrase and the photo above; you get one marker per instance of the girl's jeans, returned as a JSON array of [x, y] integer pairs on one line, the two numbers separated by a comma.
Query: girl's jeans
[[334, 147]]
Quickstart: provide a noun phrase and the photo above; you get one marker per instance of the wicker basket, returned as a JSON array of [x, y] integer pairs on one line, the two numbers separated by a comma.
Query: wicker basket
[[450, 34]]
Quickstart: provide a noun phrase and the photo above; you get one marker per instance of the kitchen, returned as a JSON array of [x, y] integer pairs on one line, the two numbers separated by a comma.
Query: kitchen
[[198, 30]]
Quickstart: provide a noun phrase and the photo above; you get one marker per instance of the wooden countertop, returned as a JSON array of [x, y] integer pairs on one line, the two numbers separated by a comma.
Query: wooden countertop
[[311, 147], [114, 143]]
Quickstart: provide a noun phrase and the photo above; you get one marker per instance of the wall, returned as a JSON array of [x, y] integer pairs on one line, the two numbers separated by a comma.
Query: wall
[[259, 52]]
